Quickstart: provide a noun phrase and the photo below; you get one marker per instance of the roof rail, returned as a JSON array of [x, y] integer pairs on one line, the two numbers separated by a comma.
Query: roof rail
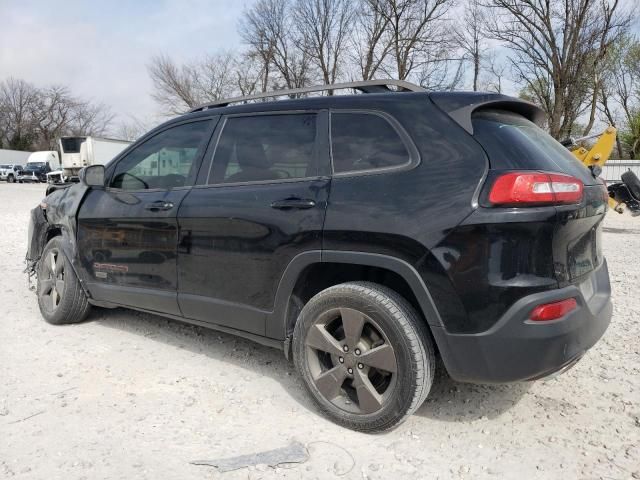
[[366, 86]]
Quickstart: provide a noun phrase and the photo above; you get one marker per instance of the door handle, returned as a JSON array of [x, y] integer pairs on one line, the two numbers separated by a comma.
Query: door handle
[[158, 206], [291, 203]]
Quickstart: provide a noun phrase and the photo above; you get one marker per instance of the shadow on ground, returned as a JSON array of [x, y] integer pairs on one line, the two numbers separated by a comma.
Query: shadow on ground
[[448, 400], [458, 402]]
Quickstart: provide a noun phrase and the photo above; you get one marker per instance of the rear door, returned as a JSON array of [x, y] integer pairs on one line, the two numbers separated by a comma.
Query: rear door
[[128, 232], [261, 202]]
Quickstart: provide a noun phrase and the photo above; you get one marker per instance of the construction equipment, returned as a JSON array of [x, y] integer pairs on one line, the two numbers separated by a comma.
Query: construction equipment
[[621, 194]]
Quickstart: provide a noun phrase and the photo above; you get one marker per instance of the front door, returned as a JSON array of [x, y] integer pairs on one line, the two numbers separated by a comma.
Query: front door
[[262, 202], [128, 232]]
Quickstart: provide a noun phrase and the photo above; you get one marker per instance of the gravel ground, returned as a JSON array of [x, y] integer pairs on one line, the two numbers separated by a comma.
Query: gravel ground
[[129, 395]]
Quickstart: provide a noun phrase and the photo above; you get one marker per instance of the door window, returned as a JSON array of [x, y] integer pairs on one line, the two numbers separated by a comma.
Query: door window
[[165, 161], [365, 141], [266, 147]]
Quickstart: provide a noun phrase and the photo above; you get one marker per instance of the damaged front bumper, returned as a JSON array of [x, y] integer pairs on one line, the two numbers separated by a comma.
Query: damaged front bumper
[[37, 237]]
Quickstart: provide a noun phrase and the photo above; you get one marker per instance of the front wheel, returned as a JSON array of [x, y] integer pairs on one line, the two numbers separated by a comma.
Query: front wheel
[[365, 355], [11, 179], [60, 295]]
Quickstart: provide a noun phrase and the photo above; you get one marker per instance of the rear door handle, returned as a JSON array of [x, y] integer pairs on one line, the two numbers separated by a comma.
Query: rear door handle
[[158, 206], [291, 203]]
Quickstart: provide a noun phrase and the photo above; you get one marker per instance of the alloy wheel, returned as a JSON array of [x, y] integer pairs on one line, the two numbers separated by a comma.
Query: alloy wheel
[[351, 361], [52, 281]]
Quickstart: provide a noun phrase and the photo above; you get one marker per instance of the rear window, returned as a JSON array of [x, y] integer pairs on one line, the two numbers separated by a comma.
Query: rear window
[[266, 148], [512, 142], [365, 141]]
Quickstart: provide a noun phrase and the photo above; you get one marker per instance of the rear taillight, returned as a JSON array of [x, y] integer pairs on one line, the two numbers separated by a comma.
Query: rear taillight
[[535, 188], [553, 311]]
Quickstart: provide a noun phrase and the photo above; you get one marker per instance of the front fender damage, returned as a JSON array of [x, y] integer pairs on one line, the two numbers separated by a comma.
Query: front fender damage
[[56, 215]]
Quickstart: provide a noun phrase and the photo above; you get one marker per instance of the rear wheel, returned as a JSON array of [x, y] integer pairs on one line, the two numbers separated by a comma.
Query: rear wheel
[[365, 355], [60, 296]]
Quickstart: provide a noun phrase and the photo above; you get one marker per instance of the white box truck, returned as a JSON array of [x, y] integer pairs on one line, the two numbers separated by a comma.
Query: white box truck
[[79, 152], [38, 166]]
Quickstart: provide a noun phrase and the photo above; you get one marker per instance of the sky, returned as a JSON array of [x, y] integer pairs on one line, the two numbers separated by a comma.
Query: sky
[[101, 53], [101, 50]]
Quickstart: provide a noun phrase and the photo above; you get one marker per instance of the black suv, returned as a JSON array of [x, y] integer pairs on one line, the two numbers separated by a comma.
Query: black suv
[[363, 234]]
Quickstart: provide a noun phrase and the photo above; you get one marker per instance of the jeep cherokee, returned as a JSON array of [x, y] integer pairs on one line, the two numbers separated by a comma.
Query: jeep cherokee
[[363, 234]]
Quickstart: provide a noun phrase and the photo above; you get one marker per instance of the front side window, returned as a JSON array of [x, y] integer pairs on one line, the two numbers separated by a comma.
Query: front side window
[[266, 147], [165, 161], [365, 141]]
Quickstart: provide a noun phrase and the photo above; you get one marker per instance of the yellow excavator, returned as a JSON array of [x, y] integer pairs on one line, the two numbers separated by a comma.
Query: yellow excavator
[[625, 193]]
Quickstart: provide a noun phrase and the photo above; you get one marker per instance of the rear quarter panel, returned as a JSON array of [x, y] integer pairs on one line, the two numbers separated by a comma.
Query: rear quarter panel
[[407, 213]]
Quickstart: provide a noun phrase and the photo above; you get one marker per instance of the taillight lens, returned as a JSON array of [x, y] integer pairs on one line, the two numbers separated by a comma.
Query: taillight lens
[[535, 188], [553, 311]]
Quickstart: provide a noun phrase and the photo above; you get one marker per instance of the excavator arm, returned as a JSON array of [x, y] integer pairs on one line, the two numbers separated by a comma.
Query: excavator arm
[[597, 155]]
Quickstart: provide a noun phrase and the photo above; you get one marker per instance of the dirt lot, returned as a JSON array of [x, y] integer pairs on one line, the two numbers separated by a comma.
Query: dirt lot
[[127, 395]]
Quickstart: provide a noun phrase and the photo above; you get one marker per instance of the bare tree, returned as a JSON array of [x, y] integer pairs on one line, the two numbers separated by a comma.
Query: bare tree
[[418, 32], [269, 30], [470, 35], [18, 100], [130, 129], [175, 88], [179, 88], [323, 27], [620, 92], [52, 114], [34, 118], [256, 29], [555, 48], [214, 77], [371, 44], [90, 119], [493, 75]]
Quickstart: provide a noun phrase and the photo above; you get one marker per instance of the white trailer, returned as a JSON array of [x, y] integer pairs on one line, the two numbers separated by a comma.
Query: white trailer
[[79, 152], [13, 157]]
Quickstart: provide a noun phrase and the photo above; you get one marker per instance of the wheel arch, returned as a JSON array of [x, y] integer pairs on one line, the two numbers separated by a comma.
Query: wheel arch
[[69, 249], [351, 265]]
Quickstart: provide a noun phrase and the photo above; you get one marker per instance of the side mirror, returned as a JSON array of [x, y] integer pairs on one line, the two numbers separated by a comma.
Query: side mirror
[[92, 176]]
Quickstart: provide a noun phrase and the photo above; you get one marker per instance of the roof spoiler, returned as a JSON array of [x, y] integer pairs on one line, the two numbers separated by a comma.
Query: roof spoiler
[[461, 106]]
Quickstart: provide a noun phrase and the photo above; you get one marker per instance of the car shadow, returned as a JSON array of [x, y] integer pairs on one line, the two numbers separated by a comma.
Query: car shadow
[[459, 402], [447, 401], [213, 344]]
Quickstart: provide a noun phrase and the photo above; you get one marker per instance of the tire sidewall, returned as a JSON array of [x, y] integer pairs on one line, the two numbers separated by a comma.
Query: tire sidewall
[[405, 385], [58, 315]]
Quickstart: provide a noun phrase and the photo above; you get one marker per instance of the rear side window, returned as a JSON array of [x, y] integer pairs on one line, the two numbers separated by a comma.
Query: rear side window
[[513, 142], [266, 147], [365, 141]]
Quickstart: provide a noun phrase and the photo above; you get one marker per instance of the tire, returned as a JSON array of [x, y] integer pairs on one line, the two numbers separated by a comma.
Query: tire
[[11, 179], [54, 274], [631, 181], [350, 375]]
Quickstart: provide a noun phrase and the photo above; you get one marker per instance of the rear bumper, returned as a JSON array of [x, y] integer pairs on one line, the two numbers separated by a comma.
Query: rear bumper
[[517, 349]]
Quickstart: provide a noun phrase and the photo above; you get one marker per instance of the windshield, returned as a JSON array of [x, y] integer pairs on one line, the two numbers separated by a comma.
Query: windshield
[[35, 165], [5, 166], [513, 142]]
